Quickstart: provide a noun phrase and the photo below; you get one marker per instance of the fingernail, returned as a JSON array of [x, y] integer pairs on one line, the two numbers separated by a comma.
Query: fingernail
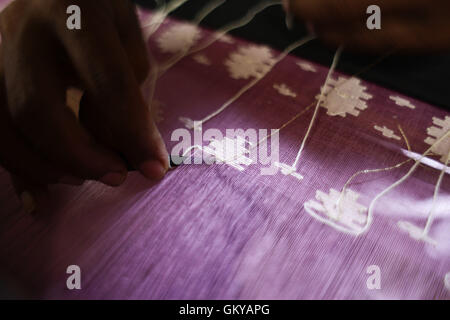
[[70, 180], [28, 202], [113, 179], [153, 169]]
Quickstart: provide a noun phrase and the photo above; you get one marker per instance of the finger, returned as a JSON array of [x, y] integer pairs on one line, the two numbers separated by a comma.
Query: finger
[[36, 98], [115, 110], [326, 12], [29, 194], [143, 149], [397, 33], [15, 154]]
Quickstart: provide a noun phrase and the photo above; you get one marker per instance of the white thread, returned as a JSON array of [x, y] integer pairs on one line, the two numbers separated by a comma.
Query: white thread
[[292, 170], [348, 97], [157, 18], [237, 24], [415, 231], [191, 124], [153, 77], [366, 171], [321, 97], [230, 151], [288, 170], [180, 38], [435, 195], [312, 104], [206, 10], [225, 39], [398, 182], [163, 13], [247, 87], [219, 34]]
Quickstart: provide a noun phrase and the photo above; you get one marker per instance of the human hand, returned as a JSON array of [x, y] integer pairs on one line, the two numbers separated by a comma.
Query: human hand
[[41, 140], [410, 25]]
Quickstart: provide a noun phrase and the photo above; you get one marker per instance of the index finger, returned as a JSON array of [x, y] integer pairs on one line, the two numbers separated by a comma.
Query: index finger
[[121, 118]]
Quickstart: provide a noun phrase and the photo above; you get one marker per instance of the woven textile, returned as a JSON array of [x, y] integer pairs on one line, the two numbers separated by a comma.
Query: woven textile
[[216, 232]]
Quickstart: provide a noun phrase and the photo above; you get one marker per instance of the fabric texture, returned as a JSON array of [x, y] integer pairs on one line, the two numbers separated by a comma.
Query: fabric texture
[[217, 232]]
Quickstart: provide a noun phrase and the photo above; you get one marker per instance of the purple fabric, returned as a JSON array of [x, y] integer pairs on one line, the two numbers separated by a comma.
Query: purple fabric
[[213, 232]]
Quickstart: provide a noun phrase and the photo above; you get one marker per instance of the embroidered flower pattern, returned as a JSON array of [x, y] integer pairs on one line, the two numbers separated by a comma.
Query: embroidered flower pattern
[[284, 90], [250, 61], [305, 66], [178, 38], [387, 132], [233, 152], [402, 102], [288, 170], [344, 96], [440, 128], [350, 216], [202, 59]]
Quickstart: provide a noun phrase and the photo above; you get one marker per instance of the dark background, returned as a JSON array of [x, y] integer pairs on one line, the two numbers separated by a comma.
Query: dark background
[[422, 77]]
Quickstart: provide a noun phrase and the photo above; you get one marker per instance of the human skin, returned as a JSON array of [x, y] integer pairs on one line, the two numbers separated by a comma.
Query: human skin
[[41, 141], [406, 25]]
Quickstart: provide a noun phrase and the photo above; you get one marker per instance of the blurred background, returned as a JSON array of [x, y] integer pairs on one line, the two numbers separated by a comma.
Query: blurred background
[[424, 77]]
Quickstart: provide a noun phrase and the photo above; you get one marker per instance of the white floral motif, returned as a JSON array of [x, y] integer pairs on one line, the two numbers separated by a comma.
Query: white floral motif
[[305, 66], [230, 151], [402, 102], [440, 128], [350, 217], [387, 132], [250, 61], [344, 96], [178, 38], [288, 170], [202, 59], [284, 90]]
